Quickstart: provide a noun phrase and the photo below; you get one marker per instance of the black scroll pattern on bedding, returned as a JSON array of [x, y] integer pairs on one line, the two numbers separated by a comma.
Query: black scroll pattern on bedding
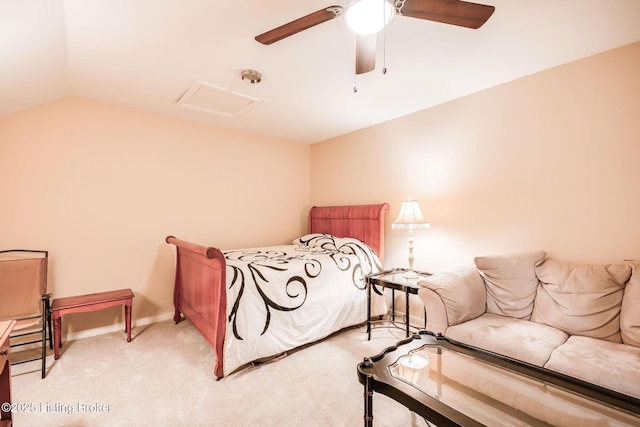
[[265, 269], [337, 247], [258, 264]]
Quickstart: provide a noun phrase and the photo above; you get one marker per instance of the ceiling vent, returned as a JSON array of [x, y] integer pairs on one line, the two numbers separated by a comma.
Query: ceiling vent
[[212, 99]]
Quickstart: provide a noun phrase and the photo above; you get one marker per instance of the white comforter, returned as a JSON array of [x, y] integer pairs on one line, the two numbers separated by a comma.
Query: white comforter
[[282, 297]]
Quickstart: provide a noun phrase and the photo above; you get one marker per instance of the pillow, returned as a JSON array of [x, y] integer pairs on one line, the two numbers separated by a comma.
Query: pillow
[[630, 310], [368, 259], [581, 299], [315, 240], [511, 283], [327, 241]]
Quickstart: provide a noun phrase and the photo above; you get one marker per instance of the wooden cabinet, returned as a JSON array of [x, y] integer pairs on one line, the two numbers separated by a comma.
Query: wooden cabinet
[[5, 374]]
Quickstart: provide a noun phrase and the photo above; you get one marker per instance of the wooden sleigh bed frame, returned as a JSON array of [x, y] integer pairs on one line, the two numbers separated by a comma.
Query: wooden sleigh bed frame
[[200, 283]]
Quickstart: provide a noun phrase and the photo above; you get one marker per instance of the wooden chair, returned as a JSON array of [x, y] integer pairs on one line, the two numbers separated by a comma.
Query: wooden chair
[[24, 298]]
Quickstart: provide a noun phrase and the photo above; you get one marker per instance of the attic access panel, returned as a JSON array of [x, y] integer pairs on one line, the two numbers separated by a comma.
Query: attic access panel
[[212, 99]]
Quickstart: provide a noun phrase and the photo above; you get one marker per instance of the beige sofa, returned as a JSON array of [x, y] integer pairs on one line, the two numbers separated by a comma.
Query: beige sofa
[[582, 320]]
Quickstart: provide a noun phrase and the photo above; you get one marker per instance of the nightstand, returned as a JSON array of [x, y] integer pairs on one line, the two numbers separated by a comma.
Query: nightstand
[[393, 279]]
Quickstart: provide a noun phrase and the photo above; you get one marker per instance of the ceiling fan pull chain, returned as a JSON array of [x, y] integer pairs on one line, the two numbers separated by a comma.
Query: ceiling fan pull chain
[[355, 83], [384, 50]]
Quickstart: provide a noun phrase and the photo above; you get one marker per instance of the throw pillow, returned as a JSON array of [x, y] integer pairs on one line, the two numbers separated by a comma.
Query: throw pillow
[[511, 283]]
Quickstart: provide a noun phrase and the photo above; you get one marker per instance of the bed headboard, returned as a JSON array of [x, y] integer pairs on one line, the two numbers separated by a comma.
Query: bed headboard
[[362, 222]]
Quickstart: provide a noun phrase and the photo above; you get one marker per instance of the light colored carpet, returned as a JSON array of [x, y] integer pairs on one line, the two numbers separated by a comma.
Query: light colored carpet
[[164, 376]]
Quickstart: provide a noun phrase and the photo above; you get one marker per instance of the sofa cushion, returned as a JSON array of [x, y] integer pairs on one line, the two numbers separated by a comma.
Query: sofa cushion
[[610, 365], [502, 398], [462, 291], [515, 338], [581, 299], [511, 283], [630, 311]]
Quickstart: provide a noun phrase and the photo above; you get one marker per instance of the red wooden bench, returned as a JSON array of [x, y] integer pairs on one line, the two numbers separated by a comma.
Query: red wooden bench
[[89, 302]]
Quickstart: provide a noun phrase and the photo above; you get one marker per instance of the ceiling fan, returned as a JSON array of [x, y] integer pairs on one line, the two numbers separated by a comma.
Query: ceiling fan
[[358, 15]]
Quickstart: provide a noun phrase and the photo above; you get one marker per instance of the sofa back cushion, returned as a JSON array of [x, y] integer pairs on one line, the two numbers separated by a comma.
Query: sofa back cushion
[[511, 283], [581, 299], [630, 311]]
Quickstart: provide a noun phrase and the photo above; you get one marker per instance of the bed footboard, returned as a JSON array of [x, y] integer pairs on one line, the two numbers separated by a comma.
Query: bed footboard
[[199, 293]]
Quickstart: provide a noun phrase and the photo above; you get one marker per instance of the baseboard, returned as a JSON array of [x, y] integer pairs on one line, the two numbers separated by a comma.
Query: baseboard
[[72, 336]]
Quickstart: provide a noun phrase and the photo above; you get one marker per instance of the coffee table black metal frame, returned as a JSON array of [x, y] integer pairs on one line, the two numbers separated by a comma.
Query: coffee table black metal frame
[[374, 374], [394, 280]]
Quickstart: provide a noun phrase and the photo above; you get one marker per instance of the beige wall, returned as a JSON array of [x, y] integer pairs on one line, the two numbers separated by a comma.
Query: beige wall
[[548, 162], [101, 186]]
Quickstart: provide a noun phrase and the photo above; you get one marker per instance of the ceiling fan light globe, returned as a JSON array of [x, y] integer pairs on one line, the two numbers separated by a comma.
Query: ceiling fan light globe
[[366, 17]]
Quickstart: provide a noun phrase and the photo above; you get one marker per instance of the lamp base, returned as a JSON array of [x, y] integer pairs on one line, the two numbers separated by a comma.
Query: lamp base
[[410, 274]]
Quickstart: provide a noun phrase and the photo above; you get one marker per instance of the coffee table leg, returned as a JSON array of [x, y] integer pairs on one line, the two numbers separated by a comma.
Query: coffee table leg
[[368, 401]]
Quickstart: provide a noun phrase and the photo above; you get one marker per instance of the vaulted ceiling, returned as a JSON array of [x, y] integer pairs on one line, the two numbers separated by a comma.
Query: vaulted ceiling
[[147, 54]]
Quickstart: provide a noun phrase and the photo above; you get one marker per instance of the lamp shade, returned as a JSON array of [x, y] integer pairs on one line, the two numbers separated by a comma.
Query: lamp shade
[[410, 216]]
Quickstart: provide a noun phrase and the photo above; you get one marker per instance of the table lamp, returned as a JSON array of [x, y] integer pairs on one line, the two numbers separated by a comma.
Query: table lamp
[[410, 217]]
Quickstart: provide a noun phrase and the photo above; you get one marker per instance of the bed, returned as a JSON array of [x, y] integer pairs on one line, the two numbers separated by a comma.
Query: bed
[[254, 303]]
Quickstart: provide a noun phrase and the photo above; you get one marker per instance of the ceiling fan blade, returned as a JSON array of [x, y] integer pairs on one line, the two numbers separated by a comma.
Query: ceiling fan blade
[[365, 53], [454, 12], [300, 24]]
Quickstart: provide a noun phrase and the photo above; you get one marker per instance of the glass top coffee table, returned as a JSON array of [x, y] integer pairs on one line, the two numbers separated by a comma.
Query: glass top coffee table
[[452, 384]]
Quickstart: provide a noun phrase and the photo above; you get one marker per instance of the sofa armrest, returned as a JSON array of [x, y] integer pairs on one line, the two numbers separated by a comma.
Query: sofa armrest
[[436, 312], [461, 291]]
